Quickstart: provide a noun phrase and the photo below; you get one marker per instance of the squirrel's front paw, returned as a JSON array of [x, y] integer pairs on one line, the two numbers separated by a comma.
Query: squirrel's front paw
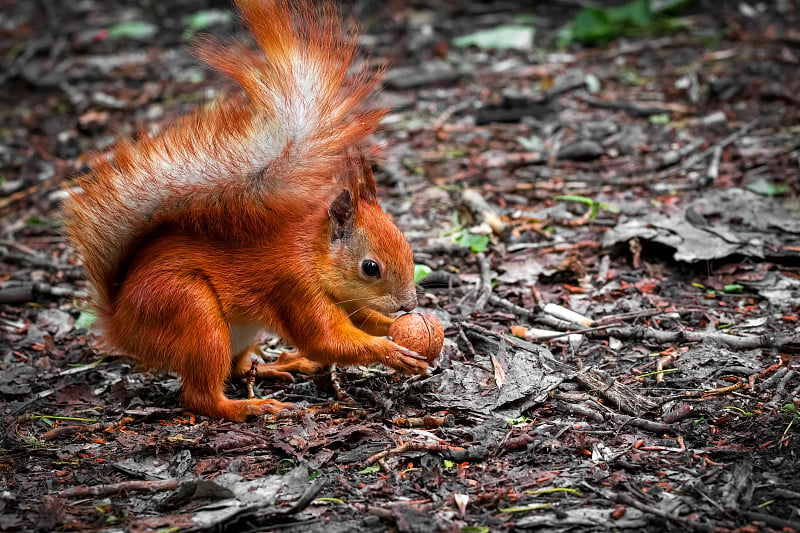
[[406, 361]]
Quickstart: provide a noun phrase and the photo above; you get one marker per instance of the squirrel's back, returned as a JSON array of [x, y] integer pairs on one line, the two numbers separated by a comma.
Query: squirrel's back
[[302, 111]]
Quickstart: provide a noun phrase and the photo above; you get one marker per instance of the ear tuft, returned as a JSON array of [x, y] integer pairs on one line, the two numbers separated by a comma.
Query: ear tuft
[[342, 216]]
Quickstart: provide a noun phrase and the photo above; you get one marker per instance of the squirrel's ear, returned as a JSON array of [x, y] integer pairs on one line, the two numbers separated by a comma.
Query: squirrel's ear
[[342, 216]]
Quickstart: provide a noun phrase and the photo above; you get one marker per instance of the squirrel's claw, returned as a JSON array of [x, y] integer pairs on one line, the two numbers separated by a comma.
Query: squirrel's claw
[[411, 353], [407, 361]]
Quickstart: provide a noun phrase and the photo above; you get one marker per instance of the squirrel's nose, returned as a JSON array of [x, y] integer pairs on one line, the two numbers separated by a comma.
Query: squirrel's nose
[[410, 302]]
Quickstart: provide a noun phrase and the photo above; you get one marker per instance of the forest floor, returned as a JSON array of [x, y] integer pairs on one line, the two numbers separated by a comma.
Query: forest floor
[[612, 236]]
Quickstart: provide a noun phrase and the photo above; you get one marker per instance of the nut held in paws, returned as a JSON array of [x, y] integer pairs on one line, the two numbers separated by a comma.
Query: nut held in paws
[[422, 333]]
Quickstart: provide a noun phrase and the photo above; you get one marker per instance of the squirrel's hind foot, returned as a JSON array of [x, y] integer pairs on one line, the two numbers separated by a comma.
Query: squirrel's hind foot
[[239, 410]]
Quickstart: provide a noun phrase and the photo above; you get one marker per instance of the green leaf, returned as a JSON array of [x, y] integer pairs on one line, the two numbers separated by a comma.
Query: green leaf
[[205, 19], [475, 243], [370, 469], [594, 207], [134, 29], [532, 144], [574, 198], [733, 288], [739, 410], [506, 37], [661, 118], [448, 464], [671, 6], [520, 420], [598, 26], [592, 25], [86, 319], [421, 272], [592, 82], [525, 509], [330, 500], [475, 529], [636, 14], [765, 188], [555, 490]]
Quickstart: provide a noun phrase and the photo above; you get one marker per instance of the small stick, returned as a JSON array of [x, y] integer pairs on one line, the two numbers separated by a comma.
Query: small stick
[[713, 169], [484, 291], [519, 311], [463, 337], [250, 378], [426, 421], [567, 314], [63, 431], [336, 384], [779, 371], [695, 158], [29, 291], [662, 362], [521, 344], [685, 336], [725, 390], [677, 414], [628, 500], [773, 521], [415, 447], [585, 411], [114, 488], [298, 414], [625, 398]]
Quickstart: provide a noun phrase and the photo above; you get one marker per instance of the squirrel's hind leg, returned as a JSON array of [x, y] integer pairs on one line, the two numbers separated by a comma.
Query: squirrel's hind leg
[[185, 333]]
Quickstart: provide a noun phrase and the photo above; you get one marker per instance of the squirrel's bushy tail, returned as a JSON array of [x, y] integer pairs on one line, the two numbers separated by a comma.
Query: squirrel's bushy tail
[[303, 110]]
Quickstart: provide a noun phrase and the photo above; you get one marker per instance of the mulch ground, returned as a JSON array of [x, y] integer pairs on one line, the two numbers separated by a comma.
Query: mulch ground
[[613, 241]]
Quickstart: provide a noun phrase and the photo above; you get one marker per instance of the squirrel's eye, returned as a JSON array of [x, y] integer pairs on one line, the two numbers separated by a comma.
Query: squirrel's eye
[[371, 268]]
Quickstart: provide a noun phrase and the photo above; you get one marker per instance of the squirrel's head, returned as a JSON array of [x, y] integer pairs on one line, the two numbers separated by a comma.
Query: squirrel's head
[[371, 262]]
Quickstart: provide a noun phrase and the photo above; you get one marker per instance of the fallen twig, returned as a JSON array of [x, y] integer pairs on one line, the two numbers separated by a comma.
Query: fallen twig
[[683, 336], [29, 292], [617, 393], [426, 421], [114, 488], [484, 291], [32, 259], [773, 521], [718, 146], [519, 311], [336, 384], [523, 345], [725, 390], [628, 500], [677, 414], [299, 414], [64, 431], [414, 447], [585, 411]]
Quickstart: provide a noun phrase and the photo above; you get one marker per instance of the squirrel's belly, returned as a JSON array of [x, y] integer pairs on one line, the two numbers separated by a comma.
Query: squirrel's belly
[[244, 335]]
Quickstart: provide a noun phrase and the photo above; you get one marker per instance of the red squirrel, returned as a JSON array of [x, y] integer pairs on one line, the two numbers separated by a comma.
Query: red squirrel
[[257, 212]]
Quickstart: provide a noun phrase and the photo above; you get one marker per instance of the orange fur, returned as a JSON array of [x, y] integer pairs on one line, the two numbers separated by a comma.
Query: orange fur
[[259, 208]]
